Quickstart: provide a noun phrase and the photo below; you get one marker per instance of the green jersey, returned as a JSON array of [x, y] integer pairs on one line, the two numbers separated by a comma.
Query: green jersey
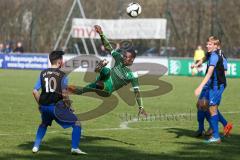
[[121, 75]]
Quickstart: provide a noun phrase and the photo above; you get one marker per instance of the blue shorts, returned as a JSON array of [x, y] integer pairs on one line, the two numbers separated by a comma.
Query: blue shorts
[[205, 93], [212, 94], [64, 117], [215, 95]]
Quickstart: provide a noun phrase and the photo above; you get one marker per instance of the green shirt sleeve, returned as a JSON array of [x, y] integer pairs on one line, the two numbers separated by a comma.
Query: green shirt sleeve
[[106, 43], [135, 85], [134, 80], [116, 55], [136, 89]]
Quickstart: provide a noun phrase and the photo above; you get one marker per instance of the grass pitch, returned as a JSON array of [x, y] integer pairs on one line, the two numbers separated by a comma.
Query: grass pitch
[[168, 134]]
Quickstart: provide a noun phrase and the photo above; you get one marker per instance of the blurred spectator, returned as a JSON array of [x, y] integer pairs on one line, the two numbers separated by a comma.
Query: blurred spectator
[[1, 47], [8, 48], [19, 48], [198, 55]]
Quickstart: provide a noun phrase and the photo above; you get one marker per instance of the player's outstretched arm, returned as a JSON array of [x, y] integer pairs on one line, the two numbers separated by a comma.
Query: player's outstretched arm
[[36, 95], [104, 40], [141, 110]]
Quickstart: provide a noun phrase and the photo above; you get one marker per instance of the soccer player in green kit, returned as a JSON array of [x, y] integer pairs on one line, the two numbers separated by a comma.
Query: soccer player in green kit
[[110, 80]]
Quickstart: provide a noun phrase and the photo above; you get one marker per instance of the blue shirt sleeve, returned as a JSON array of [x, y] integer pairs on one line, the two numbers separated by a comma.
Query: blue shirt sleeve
[[38, 84], [64, 82], [213, 59], [225, 64]]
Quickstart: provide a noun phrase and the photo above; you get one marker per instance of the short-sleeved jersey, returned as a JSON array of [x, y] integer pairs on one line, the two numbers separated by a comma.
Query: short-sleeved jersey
[[52, 81], [120, 74], [218, 76], [220, 52], [225, 62]]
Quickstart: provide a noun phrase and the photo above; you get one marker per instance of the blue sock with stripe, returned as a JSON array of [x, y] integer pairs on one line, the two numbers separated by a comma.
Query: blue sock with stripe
[[214, 124], [208, 117], [222, 119], [40, 134]]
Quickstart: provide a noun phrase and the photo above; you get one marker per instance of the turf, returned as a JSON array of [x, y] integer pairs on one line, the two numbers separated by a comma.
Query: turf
[[167, 134]]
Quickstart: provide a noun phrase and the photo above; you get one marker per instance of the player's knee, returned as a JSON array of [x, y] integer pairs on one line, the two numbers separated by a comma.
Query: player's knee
[[78, 123], [105, 73], [213, 110], [100, 85], [203, 104], [197, 105]]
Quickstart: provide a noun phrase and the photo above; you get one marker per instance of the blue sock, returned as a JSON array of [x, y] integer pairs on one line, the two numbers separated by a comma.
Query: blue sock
[[222, 119], [40, 134], [76, 135], [214, 122], [200, 118], [208, 117]]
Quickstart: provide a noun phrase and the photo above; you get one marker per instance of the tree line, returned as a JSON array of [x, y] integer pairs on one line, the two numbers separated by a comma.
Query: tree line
[[37, 23]]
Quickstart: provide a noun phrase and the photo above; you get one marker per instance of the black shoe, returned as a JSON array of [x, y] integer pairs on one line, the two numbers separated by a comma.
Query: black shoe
[[199, 133]]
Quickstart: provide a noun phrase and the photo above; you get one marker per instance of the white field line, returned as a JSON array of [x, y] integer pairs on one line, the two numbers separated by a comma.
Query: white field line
[[122, 126]]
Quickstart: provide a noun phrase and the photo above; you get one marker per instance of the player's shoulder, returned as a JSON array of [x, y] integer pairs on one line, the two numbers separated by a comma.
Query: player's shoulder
[[214, 55], [44, 71], [115, 53], [62, 73]]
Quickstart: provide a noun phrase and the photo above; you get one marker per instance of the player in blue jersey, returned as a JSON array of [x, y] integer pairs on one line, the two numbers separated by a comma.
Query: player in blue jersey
[[202, 104], [53, 85], [215, 83]]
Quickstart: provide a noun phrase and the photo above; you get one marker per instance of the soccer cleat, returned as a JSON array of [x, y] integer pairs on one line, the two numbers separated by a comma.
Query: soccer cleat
[[199, 133], [213, 140], [227, 129], [100, 65], [35, 149], [77, 151]]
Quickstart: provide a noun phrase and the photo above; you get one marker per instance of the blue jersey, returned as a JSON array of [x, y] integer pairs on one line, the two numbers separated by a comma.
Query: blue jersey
[[218, 76], [225, 63], [220, 52], [52, 81], [38, 84]]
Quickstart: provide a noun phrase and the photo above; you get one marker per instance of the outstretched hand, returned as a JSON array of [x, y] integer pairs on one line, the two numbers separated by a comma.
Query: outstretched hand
[[98, 29], [142, 112]]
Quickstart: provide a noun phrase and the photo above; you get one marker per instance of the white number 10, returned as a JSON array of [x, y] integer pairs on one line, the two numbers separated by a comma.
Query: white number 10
[[48, 86]]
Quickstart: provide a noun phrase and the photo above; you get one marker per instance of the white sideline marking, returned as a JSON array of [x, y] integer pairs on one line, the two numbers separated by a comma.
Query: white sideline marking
[[122, 126]]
